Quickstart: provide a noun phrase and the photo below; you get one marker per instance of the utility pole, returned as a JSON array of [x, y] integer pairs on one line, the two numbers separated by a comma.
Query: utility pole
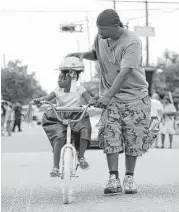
[[78, 50], [147, 38], [89, 44], [114, 4], [146, 17]]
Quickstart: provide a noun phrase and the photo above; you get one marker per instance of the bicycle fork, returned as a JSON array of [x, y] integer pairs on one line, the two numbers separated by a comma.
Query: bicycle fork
[[68, 145]]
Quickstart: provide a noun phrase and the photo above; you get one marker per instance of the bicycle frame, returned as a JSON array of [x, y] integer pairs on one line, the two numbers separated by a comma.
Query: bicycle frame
[[68, 145]]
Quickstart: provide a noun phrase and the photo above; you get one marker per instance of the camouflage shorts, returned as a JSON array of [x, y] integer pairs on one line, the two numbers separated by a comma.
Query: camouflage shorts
[[125, 127]]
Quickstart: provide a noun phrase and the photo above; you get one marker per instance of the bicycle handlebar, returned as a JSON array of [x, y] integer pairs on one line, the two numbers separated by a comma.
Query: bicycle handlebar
[[66, 109]]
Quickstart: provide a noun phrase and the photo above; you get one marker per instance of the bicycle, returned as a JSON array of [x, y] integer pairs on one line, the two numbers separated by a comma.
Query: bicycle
[[68, 158]]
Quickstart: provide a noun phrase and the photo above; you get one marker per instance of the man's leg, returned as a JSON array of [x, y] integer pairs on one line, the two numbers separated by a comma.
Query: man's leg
[[170, 140], [114, 184], [110, 138], [14, 126], [129, 185], [19, 125], [112, 160], [156, 143], [135, 138], [163, 140], [130, 164], [9, 128]]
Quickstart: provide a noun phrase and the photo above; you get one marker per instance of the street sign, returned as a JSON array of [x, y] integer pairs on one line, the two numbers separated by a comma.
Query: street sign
[[145, 31]]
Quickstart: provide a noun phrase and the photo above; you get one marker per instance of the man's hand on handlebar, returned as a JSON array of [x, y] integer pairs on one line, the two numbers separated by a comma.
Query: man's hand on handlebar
[[92, 102]]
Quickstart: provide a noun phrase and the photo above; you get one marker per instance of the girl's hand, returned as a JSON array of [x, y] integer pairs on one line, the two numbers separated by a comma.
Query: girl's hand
[[37, 100], [92, 102]]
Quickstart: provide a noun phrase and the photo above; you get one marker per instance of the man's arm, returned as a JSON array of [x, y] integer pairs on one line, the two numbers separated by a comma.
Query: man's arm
[[88, 98], [119, 81], [90, 55]]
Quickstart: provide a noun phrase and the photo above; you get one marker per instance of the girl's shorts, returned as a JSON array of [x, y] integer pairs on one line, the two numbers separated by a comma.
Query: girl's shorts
[[56, 130]]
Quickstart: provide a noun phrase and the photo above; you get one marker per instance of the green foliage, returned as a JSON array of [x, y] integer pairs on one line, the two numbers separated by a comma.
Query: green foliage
[[17, 84], [171, 74], [168, 78]]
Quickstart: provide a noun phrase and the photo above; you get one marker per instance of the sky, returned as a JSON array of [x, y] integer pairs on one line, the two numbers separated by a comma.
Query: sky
[[31, 31]]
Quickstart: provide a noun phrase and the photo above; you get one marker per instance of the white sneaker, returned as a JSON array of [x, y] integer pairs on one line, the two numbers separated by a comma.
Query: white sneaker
[[129, 185], [113, 186]]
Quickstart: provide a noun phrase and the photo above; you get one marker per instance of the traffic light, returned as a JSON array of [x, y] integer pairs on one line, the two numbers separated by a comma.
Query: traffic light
[[71, 28]]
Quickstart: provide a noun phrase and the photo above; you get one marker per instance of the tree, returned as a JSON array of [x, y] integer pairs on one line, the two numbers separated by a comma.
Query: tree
[[17, 84], [167, 77], [170, 55]]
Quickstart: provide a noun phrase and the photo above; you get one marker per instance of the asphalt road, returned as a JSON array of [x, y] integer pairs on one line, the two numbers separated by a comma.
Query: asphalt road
[[26, 185]]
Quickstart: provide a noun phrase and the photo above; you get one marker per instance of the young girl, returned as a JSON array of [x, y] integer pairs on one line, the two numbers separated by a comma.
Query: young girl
[[68, 94], [167, 124]]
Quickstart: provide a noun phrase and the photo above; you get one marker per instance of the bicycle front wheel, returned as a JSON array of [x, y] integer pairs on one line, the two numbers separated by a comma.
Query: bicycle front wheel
[[67, 170]]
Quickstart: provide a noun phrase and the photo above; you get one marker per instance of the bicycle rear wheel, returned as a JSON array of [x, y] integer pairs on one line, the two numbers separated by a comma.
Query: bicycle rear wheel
[[67, 168]]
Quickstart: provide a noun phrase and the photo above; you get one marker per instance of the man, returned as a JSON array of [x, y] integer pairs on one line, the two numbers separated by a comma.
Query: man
[[167, 126], [123, 95], [156, 110], [18, 114]]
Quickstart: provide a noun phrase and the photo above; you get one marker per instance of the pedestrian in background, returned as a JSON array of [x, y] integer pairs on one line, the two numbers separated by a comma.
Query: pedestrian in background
[[156, 111], [3, 112], [9, 118], [18, 114], [167, 124]]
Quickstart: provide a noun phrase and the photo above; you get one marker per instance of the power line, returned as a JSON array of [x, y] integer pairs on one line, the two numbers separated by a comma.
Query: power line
[[77, 11], [146, 17], [152, 2]]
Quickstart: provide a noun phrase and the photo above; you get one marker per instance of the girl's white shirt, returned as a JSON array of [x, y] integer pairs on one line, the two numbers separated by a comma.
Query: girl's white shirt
[[71, 99]]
